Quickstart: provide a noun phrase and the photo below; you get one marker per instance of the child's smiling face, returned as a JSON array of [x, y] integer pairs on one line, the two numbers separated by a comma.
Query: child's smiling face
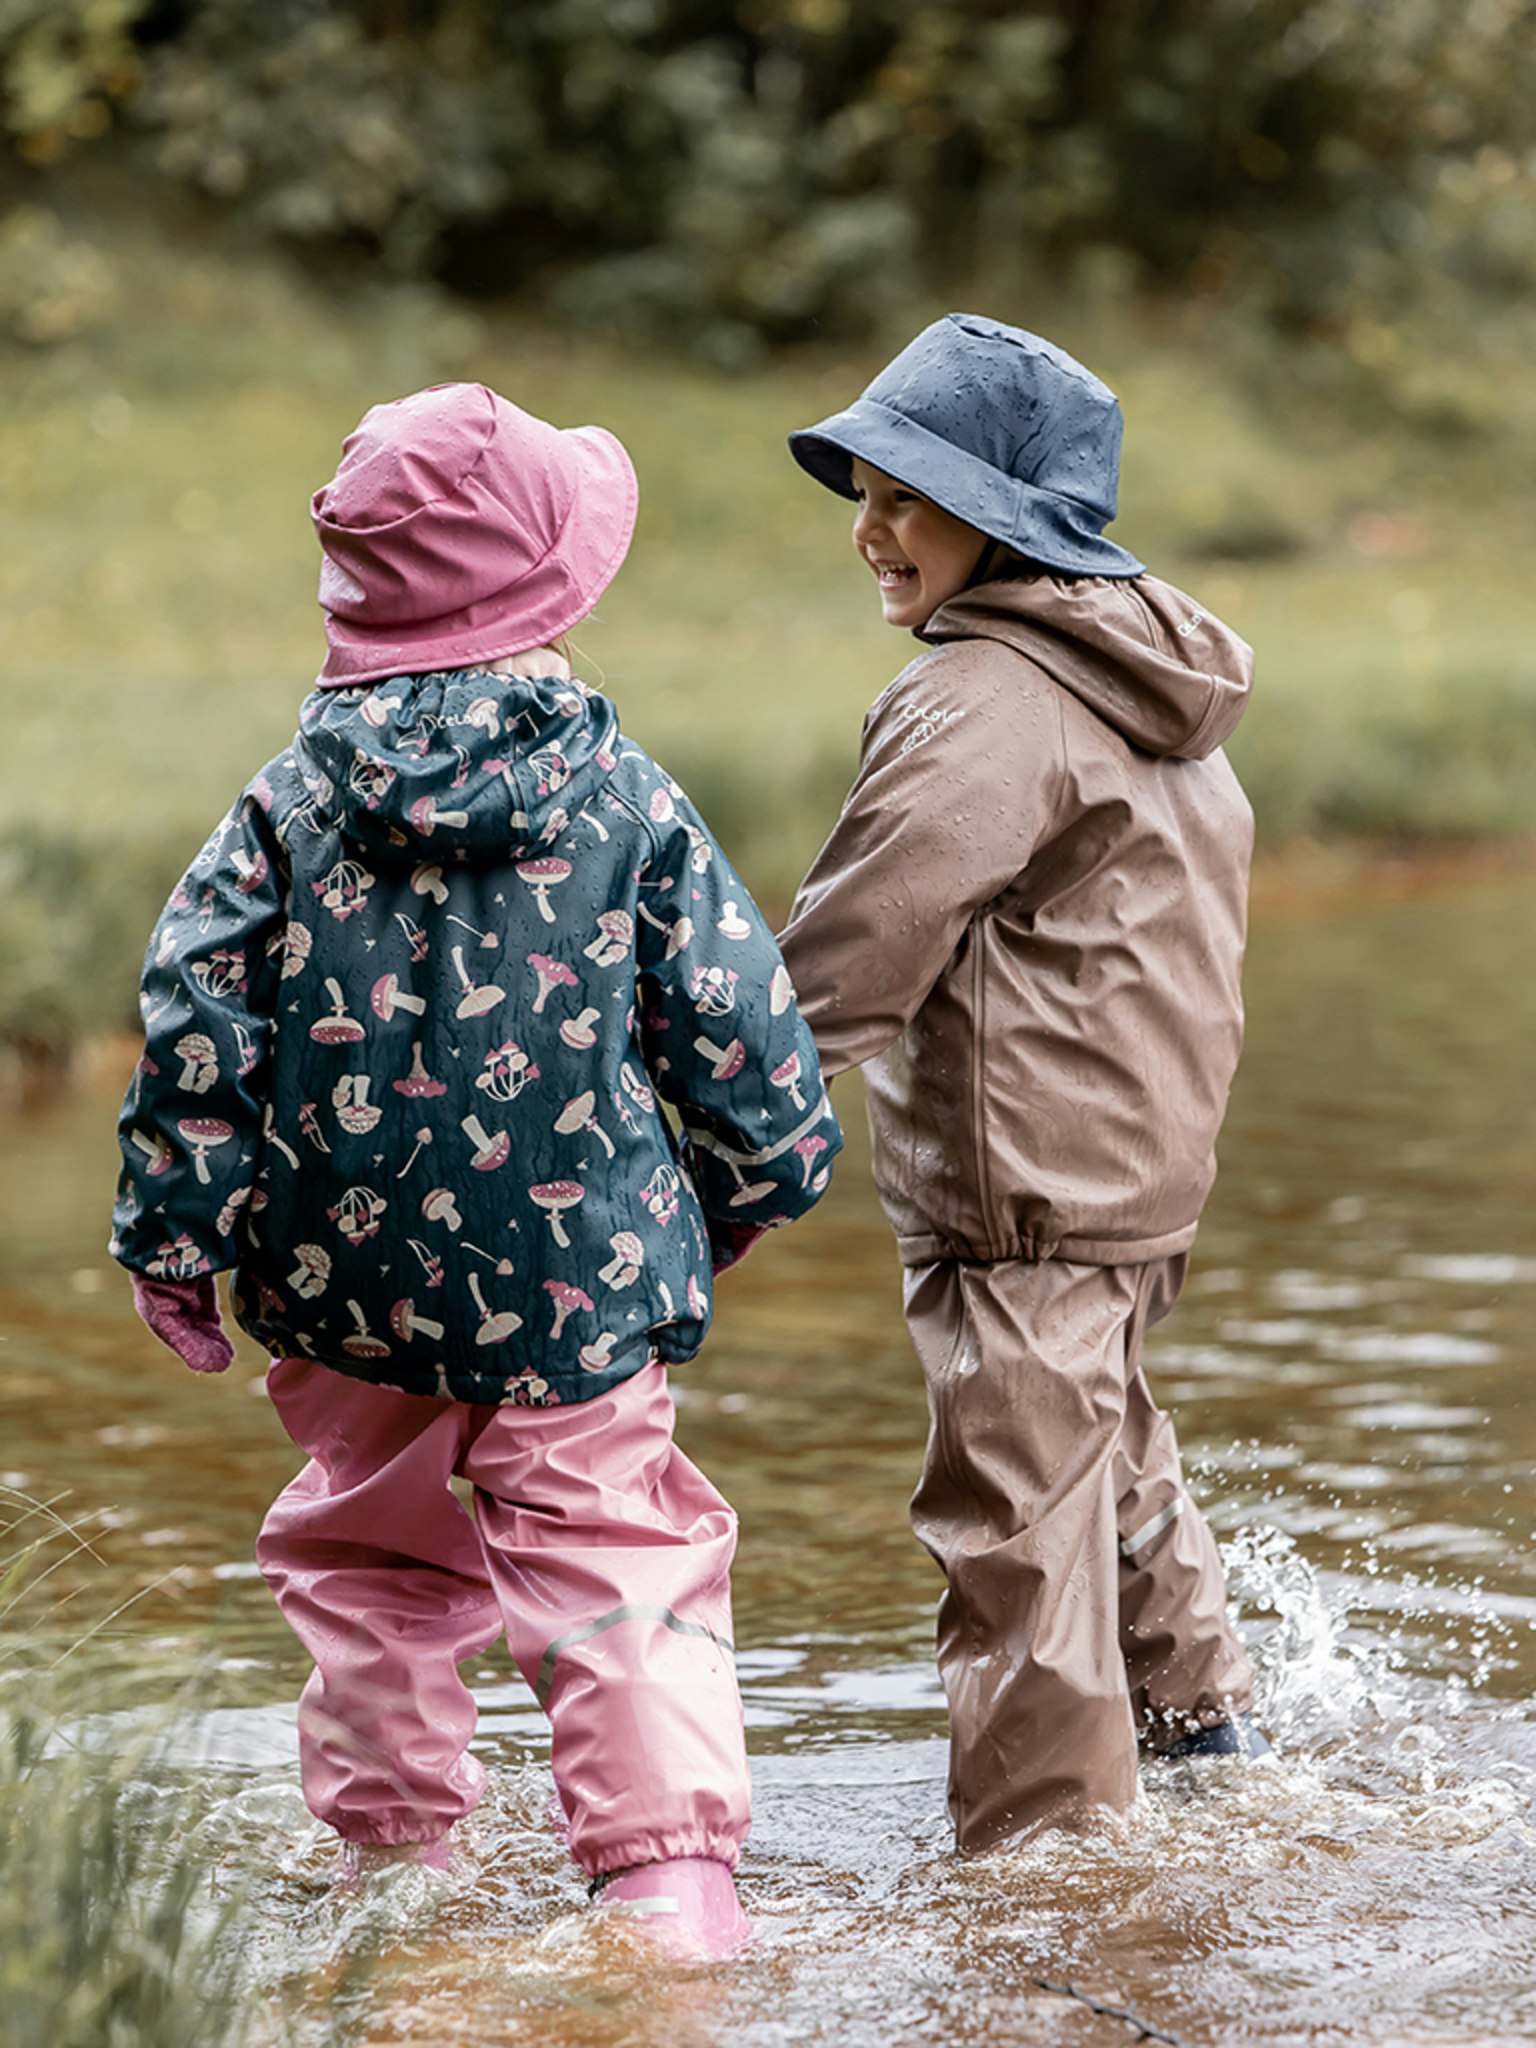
[[920, 556]]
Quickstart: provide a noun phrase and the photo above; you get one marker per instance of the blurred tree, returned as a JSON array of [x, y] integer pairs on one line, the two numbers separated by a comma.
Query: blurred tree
[[734, 172]]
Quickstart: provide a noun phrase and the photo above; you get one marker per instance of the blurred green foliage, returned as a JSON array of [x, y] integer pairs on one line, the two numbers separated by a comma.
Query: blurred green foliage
[[730, 173]]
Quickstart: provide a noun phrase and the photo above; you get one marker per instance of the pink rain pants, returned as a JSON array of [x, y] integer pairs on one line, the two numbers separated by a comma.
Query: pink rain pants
[[595, 1544]]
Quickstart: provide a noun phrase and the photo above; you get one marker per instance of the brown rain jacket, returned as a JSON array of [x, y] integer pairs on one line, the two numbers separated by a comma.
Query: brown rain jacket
[[1028, 923]]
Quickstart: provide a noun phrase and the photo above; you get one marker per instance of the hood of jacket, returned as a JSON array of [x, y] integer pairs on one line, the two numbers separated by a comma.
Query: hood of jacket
[[1148, 660], [457, 766]]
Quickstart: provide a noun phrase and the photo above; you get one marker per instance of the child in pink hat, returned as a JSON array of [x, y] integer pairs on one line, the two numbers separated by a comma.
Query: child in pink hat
[[411, 1017]]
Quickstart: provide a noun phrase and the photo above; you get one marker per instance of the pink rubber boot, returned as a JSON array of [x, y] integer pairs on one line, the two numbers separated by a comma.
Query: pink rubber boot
[[687, 1906]]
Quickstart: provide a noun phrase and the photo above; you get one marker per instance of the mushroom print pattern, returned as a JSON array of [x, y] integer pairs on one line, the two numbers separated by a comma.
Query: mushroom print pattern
[[202, 1133], [615, 936], [554, 1198], [406, 1017], [506, 1072], [475, 1001], [580, 1114], [418, 1083], [542, 876], [552, 974], [495, 1328], [200, 1063], [567, 1299]]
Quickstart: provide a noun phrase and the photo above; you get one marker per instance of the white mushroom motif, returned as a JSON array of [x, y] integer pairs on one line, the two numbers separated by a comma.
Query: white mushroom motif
[[615, 936], [357, 1214], [476, 999], [344, 889], [222, 973], [312, 1273], [623, 1269], [506, 1072], [714, 990], [488, 940], [496, 1326], [199, 1062], [662, 1192], [731, 923], [438, 1206], [542, 876], [679, 936], [577, 1032], [598, 1355], [579, 1114], [294, 944], [427, 880]]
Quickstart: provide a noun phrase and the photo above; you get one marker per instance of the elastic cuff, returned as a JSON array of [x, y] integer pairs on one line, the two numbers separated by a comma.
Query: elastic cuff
[[609, 1862]]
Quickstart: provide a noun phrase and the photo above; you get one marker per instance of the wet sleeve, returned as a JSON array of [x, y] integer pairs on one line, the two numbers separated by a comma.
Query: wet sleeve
[[724, 1041], [960, 772], [191, 1124]]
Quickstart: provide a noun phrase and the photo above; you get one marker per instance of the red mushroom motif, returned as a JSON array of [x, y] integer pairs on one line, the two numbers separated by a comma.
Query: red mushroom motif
[[405, 1322], [357, 1214], [418, 1083], [725, 1061], [203, 1134], [354, 1112], [554, 1198], [787, 1075], [567, 1300], [364, 1344], [542, 876], [492, 1148], [338, 1028], [552, 974]]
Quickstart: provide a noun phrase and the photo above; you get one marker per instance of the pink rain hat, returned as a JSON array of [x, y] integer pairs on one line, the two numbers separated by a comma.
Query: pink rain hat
[[459, 528]]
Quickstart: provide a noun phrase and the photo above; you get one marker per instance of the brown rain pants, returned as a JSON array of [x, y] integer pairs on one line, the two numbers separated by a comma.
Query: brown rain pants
[[1086, 1605]]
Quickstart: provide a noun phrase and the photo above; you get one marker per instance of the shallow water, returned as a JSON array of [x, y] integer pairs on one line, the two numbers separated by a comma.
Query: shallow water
[[1349, 1368]]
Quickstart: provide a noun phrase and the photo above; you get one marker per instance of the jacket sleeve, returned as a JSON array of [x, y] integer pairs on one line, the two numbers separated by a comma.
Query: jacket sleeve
[[960, 772], [723, 1039], [191, 1124]]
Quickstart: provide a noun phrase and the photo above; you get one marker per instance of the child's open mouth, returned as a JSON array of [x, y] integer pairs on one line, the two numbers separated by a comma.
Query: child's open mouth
[[892, 574]]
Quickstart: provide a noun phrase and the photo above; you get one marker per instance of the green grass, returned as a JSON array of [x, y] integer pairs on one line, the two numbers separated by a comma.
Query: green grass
[[159, 586]]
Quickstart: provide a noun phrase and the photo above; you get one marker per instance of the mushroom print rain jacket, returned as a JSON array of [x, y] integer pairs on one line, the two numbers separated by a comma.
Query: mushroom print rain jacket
[[408, 1015]]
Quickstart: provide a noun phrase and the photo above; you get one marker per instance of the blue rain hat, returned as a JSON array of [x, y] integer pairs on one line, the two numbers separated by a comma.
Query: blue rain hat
[[998, 428]]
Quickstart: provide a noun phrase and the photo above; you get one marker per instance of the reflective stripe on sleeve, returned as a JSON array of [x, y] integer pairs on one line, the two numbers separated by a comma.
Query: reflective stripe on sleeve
[[1159, 1522], [631, 1611]]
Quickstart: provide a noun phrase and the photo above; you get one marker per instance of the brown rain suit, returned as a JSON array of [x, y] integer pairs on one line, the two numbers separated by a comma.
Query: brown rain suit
[[1028, 927]]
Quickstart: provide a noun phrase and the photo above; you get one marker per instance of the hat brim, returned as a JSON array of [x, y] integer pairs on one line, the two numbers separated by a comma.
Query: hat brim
[[1045, 527], [544, 603]]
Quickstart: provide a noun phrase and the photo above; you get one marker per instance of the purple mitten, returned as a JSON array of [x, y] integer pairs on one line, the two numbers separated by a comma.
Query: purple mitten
[[184, 1315]]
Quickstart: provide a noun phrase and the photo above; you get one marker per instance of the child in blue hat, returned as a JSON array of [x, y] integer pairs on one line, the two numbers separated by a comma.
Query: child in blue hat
[[1027, 927]]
